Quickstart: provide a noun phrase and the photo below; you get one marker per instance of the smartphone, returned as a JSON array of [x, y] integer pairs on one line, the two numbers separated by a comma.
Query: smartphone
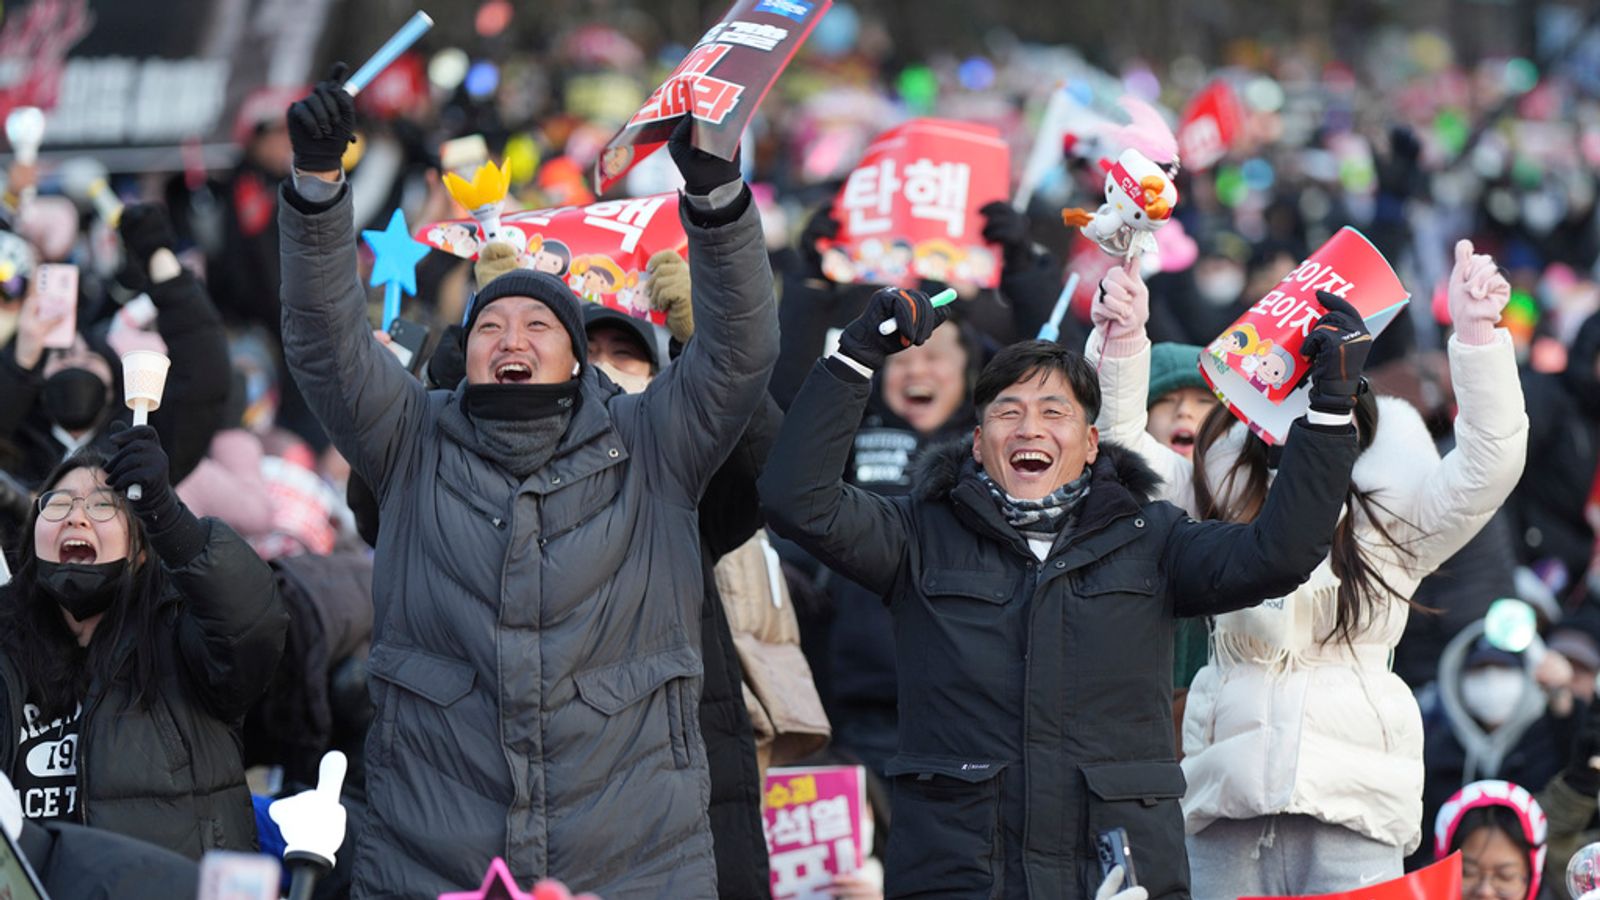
[[408, 339], [55, 288], [1112, 848]]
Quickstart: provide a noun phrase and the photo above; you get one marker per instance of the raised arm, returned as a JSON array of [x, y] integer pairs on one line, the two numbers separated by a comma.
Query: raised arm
[[852, 531], [231, 624], [698, 407], [364, 398], [1120, 351], [1214, 567], [1463, 491], [197, 391]]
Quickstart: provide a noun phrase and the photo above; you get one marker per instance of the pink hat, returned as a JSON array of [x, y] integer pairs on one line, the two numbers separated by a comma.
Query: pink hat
[[1495, 793]]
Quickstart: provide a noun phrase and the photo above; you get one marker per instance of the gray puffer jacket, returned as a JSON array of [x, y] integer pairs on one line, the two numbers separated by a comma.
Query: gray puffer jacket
[[535, 655]]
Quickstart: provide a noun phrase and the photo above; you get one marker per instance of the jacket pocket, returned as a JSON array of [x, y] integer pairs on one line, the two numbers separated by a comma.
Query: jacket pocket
[[1120, 576], [614, 688], [440, 680], [1141, 797], [948, 838], [969, 596]]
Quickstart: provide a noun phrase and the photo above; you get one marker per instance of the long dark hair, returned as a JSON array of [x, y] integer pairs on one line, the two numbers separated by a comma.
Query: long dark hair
[[57, 672], [1361, 586]]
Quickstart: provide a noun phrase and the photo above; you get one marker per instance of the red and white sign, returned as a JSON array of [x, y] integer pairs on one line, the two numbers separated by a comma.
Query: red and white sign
[[909, 211], [1255, 365], [600, 250], [1436, 882], [816, 823], [720, 84], [1209, 126]]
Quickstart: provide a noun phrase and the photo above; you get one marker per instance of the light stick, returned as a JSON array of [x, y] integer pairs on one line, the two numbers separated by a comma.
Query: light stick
[[144, 380], [1051, 330], [400, 42], [943, 298]]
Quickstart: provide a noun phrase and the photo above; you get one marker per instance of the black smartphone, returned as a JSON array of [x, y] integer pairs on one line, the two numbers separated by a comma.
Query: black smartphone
[[1112, 848], [408, 339]]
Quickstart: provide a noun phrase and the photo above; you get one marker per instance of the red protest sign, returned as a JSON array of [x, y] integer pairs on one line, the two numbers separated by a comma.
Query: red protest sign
[[1255, 364], [910, 209], [1210, 124], [600, 250], [720, 83], [1440, 880], [816, 823]]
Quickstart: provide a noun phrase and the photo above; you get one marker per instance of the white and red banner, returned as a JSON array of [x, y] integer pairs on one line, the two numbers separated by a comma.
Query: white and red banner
[[817, 827], [720, 83], [1255, 365], [909, 211], [600, 250]]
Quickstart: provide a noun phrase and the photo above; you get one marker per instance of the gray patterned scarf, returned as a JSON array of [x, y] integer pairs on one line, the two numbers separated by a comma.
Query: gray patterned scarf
[[1046, 515]]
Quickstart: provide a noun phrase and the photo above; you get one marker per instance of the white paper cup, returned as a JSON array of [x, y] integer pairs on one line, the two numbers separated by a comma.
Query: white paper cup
[[144, 378]]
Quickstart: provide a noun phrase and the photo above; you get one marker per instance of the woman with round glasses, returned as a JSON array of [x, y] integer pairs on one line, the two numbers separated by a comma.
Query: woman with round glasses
[[132, 640]]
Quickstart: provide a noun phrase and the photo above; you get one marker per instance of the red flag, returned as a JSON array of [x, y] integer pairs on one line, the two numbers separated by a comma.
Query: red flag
[[910, 209], [1210, 124], [1437, 882]]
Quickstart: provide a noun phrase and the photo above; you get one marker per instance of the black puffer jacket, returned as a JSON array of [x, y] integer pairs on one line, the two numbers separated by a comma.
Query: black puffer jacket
[[1035, 696], [171, 774]]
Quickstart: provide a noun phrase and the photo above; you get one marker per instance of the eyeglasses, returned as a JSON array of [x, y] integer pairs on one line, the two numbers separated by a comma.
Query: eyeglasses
[[101, 506], [1504, 881]]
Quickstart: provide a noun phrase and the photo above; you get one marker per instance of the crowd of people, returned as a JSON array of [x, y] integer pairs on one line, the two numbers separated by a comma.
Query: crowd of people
[[567, 584]]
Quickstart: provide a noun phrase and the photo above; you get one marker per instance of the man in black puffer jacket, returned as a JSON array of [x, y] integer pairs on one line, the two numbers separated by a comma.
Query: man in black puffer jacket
[[1034, 587]]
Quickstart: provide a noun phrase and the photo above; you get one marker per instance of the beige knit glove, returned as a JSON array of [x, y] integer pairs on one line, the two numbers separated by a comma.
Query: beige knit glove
[[495, 259], [668, 288]]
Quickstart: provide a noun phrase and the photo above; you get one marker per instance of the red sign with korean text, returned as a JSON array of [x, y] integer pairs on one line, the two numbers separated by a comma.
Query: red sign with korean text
[[909, 211], [600, 250], [1255, 365], [1209, 126], [816, 823], [1436, 882], [720, 84]]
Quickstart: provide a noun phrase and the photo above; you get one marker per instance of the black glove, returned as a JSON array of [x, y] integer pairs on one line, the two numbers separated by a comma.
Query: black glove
[[1337, 349], [822, 226], [1579, 774], [172, 529], [140, 460], [323, 124], [702, 172], [145, 228], [915, 316], [1004, 226]]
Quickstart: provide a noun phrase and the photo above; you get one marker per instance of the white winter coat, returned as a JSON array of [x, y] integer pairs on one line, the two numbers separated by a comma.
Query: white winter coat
[[1280, 721]]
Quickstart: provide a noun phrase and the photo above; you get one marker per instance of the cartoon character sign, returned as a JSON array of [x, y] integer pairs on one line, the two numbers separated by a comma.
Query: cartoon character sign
[[1241, 341], [457, 238], [1140, 197], [548, 255], [596, 277], [1275, 366]]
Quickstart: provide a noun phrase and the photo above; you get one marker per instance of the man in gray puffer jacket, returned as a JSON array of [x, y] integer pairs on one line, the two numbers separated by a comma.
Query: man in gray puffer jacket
[[537, 585]]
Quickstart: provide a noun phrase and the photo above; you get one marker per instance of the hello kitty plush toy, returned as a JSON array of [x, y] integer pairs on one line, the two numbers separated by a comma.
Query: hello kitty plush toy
[[1139, 199]]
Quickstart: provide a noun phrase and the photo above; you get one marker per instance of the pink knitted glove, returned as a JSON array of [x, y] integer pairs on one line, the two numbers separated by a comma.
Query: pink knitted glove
[[1120, 312], [1476, 294]]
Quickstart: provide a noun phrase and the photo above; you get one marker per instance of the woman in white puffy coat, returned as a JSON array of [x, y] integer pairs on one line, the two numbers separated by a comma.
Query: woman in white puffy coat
[[1303, 751]]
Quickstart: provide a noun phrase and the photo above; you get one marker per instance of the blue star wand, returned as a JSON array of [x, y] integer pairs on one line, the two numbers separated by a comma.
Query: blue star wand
[[394, 264]]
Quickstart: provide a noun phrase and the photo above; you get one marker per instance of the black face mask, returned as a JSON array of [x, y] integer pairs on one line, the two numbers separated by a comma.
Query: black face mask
[[74, 398], [83, 589]]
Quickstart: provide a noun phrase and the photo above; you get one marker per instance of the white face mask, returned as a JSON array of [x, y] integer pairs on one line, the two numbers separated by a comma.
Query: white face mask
[[1221, 286], [632, 384], [1492, 694]]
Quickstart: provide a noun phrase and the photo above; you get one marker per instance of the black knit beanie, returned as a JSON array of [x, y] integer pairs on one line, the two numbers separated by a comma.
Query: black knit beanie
[[543, 287]]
